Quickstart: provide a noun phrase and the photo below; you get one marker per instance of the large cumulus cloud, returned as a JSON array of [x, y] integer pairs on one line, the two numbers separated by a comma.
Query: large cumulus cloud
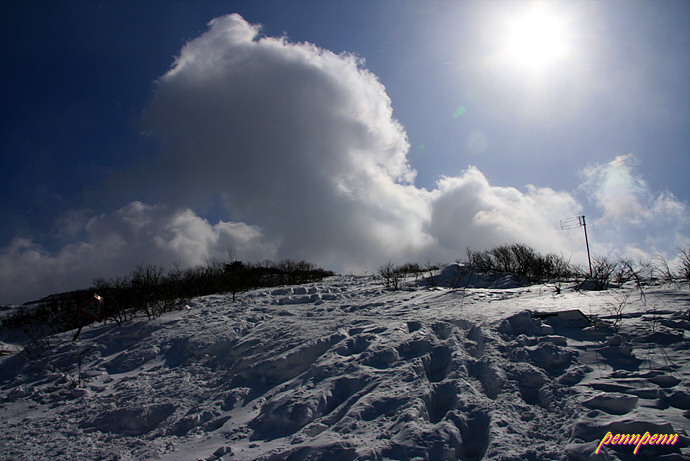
[[300, 148], [290, 137]]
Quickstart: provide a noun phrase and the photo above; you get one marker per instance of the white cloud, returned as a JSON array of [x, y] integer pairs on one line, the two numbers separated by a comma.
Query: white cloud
[[616, 189], [469, 212], [634, 217], [292, 138], [300, 147], [621, 192]]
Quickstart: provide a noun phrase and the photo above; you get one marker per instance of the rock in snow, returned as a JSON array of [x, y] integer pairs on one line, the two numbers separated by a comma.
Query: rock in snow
[[343, 369]]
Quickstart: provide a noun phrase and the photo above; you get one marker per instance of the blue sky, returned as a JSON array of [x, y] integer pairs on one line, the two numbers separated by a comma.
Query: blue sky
[[436, 132]]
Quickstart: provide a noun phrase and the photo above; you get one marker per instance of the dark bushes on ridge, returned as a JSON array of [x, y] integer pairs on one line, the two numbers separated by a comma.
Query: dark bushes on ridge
[[150, 291], [521, 260]]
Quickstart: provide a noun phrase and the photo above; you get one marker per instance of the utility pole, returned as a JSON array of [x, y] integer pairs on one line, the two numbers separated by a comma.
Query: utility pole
[[589, 258], [572, 223]]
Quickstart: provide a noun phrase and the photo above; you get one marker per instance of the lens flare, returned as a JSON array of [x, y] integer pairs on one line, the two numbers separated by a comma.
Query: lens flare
[[461, 110]]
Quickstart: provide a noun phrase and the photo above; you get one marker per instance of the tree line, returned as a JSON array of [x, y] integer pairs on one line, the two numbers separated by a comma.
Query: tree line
[[150, 291], [529, 266]]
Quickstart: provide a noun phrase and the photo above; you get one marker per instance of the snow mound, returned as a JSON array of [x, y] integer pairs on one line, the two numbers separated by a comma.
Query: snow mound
[[462, 276], [613, 402]]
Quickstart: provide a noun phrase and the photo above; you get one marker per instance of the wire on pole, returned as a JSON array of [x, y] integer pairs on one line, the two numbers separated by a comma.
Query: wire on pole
[[572, 223]]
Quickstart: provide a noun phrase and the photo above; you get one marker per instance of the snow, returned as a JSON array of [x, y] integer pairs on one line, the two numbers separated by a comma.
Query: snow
[[344, 369]]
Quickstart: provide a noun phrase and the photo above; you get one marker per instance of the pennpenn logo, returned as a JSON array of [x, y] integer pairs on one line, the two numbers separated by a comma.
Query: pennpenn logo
[[637, 440]]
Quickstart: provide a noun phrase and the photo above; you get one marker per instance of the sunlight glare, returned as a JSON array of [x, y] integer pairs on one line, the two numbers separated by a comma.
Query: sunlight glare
[[536, 39]]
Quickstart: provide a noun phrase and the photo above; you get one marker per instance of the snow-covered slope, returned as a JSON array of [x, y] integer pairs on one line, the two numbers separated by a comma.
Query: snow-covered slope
[[343, 369]]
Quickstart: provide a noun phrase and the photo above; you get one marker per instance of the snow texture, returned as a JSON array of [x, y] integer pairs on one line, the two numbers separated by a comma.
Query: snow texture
[[343, 369]]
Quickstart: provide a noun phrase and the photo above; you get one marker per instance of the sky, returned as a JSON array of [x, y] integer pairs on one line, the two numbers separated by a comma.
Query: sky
[[344, 133]]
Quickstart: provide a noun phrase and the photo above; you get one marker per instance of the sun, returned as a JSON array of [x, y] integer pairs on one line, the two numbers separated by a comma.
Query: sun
[[536, 39]]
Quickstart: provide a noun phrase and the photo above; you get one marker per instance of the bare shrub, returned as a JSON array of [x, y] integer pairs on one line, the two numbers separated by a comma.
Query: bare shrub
[[684, 263], [521, 260], [663, 268], [638, 274], [429, 268], [603, 270], [234, 272], [616, 308], [413, 270], [390, 275], [144, 282], [503, 259]]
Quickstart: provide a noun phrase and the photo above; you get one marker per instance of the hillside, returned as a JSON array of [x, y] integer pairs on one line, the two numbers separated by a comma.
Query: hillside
[[344, 369]]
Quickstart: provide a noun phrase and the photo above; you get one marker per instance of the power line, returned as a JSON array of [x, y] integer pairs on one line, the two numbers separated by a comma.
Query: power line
[[572, 223]]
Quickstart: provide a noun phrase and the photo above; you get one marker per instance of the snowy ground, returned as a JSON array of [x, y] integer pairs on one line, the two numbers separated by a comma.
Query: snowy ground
[[343, 369]]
